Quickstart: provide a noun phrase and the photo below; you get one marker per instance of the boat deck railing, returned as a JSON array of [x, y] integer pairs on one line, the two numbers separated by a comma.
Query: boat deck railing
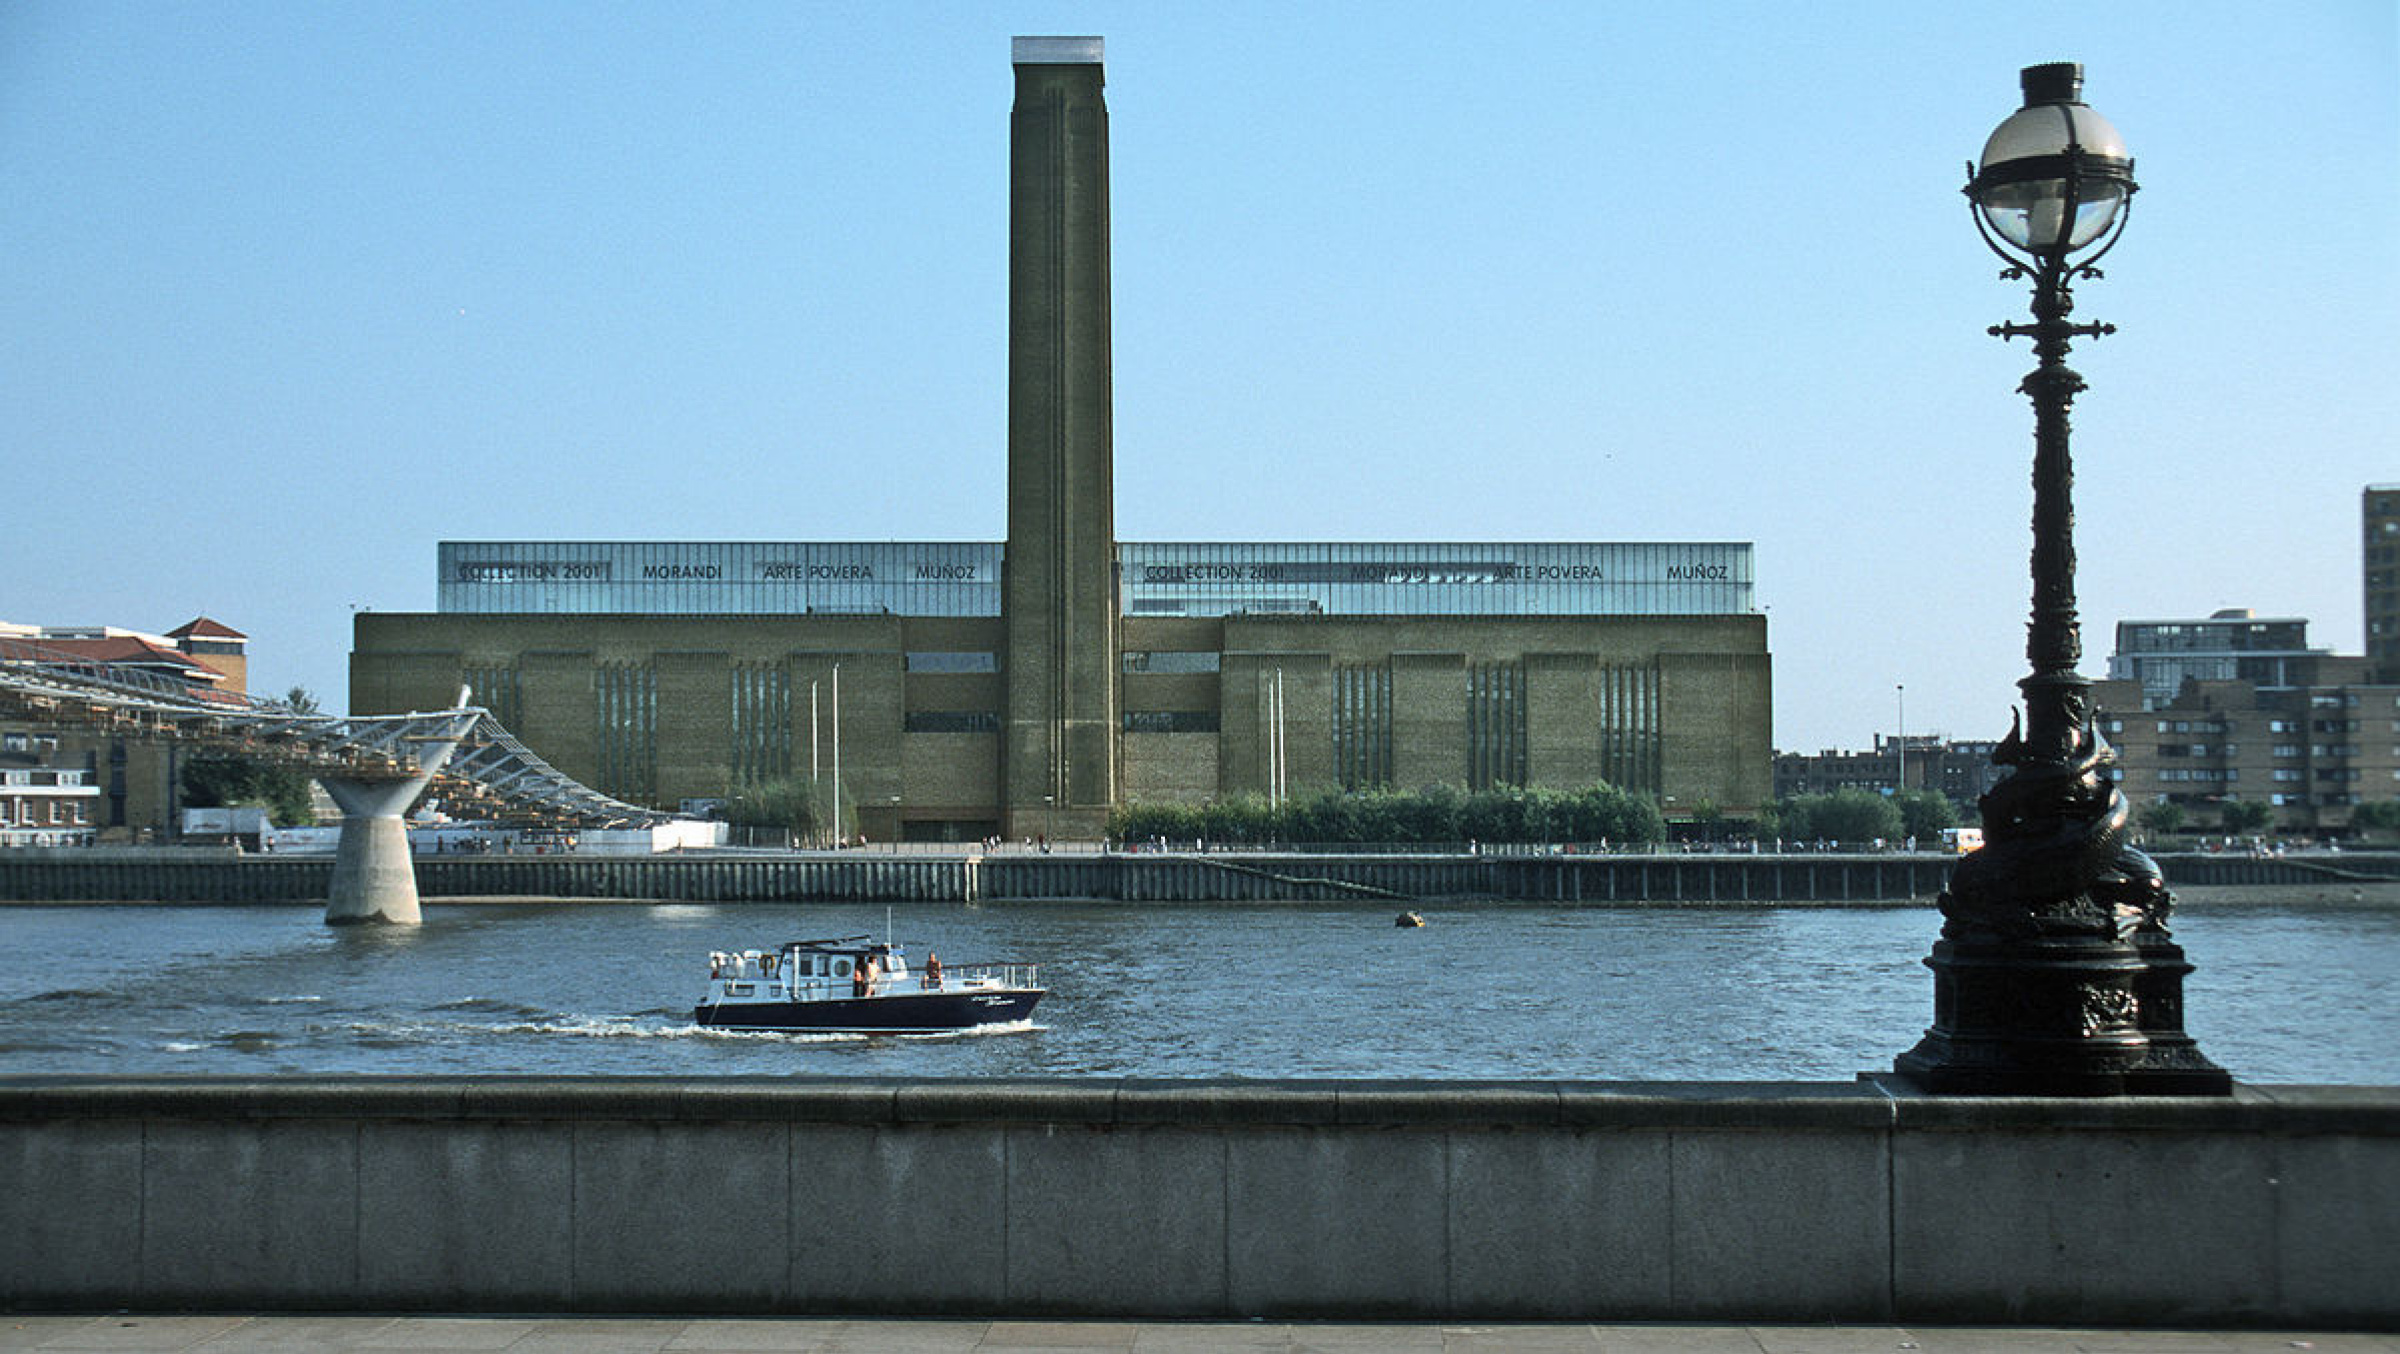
[[735, 978], [1003, 973]]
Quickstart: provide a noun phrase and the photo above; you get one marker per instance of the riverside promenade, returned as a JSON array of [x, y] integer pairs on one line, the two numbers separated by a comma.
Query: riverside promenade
[[800, 1335]]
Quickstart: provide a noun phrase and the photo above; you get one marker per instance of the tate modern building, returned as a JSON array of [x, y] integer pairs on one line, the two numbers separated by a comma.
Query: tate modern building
[[1027, 686]]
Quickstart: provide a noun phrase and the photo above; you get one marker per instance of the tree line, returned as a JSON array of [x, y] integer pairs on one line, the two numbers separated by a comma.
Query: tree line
[[1437, 814], [1441, 815], [1858, 816]]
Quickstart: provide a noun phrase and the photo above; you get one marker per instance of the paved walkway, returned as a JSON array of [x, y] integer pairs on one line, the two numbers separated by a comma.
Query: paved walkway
[[677, 1335]]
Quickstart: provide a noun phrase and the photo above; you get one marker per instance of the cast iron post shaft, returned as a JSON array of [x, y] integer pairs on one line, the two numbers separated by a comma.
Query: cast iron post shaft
[[2056, 693]]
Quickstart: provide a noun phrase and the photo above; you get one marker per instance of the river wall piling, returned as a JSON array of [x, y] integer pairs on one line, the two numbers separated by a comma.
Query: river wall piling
[[193, 876], [1558, 1201]]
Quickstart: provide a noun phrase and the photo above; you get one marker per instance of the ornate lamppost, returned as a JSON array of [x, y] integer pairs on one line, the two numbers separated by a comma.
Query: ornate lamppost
[[2055, 973]]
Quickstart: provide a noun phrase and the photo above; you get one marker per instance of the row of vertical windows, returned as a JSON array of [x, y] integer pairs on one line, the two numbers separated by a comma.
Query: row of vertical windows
[[628, 733], [1495, 725], [1496, 718], [496, 690], [1362, 727], [30, 812], [762, 722], [42, 775], [1629, 752]]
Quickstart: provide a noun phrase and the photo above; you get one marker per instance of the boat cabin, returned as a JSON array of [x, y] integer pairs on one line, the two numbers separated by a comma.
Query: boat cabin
[[809, 970]]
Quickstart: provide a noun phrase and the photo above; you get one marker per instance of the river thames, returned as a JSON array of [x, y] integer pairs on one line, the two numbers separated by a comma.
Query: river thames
[[1485, 990]]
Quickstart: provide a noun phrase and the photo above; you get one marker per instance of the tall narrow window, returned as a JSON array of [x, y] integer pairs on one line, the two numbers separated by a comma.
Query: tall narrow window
[[762, 722], [1362, 727], [1495, 725], [1629, 754], [495, 689], [628, 733]]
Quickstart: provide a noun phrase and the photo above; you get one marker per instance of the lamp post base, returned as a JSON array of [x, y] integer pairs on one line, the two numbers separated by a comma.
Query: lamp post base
[[2174, 1064], [2076, 1014]]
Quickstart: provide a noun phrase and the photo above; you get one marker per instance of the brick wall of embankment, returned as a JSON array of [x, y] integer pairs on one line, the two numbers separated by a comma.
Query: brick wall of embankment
[[2275, 1207]]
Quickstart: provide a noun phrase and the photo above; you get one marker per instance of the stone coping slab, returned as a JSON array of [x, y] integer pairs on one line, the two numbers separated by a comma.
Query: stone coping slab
[[1870, 1103]]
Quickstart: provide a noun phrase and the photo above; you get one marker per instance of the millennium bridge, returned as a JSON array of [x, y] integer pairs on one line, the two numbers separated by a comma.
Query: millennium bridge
[[374, 766]]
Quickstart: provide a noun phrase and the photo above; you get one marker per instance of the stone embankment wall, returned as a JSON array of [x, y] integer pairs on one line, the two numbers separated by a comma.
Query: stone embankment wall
[[2276, 1207], [183, 876]]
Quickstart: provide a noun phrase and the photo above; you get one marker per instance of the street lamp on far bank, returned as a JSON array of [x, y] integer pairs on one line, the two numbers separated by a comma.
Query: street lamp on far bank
[[2055, 973]]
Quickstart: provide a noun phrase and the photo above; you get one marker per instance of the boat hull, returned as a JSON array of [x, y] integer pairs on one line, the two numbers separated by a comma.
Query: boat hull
[[903, 1013]]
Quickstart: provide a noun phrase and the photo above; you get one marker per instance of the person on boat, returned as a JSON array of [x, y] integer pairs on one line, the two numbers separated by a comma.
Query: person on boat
[[859, 979], [933, 970]]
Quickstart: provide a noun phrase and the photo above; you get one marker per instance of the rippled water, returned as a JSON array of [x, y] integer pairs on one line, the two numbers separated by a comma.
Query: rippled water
[[1483, 991]]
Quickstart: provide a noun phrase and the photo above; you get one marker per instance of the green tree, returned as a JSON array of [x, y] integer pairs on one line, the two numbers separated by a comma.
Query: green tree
[[2383, 815], [1608, 813], [1242, 818], [1377, 816], [2162, 817], [791, 803], [1924, 813], [213, 779], [1708, 821], [1326, 817], [2241, 817], [1493, 816], [1144, 822], [1771, 823], [1855, 816], [1430, 815], [220, 779]]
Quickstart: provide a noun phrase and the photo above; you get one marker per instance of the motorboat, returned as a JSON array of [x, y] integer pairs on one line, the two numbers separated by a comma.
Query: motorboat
[[857, 985]]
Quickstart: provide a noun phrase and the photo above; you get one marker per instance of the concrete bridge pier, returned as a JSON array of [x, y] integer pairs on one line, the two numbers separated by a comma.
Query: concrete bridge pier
[[374, 875]]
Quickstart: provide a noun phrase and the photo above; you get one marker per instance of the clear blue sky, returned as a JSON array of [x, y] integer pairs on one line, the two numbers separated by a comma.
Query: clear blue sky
[[291, 291]]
